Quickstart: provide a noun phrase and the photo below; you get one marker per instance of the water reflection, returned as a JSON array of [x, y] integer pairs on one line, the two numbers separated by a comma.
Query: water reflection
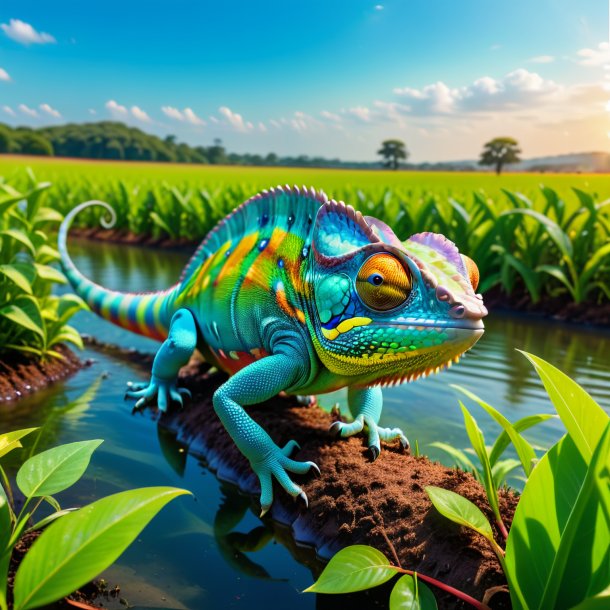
[[212, 552]]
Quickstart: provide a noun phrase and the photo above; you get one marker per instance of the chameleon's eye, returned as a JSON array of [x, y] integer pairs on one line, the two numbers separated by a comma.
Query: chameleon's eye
[[383, 283]]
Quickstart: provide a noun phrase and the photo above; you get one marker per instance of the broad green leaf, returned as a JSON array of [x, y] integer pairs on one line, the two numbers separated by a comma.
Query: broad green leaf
[[583, 418], [24, 312], [459, 510], [523, 448], [76, 548], [20, 237], [503, 441], [410, 593], [478, 444], [50, 274], [15, 273], [10, 440], [56, 469], [601, 601], [354, 568], [562, 527]]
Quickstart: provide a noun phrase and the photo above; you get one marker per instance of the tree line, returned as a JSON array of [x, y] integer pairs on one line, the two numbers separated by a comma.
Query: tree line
[[115, 140]]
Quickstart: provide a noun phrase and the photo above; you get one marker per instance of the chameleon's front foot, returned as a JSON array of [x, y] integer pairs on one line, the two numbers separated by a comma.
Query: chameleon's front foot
[[165, 390], [275, 462], [375, 433]]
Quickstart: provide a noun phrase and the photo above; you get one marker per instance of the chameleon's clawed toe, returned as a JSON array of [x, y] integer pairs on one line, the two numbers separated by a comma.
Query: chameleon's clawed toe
[[335, 428], [303, 497], [374, 452], [315, 467]]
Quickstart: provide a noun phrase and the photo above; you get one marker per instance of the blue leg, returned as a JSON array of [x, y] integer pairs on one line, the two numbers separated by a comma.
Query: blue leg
[[173, 354], [365, 405], [256, 383]]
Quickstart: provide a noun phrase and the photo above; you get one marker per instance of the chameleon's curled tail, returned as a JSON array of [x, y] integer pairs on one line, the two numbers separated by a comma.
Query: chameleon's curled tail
[[147, 314]]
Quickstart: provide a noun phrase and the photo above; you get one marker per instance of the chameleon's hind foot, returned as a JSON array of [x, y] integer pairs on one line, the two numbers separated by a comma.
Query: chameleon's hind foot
[[276, 463], [375, 433], [164, 390]]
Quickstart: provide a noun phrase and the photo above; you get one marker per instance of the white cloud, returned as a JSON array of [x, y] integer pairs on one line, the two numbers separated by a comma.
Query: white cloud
[[330, 116], [519, 88], [262, 127], [213, 119], [92, 111], [116, 110], [24, 33], [360, 112], [172, 113], [595, 57], [275, 124], [187, 115], [542, 59], [234, 119], [28, 111], [50, 111], [4, 75], [379, 7], [192, 118], [140, 115], [9, 110]]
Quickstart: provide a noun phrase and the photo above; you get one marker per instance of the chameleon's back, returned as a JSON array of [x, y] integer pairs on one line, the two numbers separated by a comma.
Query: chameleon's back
[[248, 273]]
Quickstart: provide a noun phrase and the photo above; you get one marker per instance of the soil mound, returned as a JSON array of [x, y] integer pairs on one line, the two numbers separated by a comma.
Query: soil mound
[[21, 375], [354, 501]]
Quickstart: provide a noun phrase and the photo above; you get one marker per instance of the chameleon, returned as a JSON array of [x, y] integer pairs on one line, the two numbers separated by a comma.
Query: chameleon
[[294, 292]]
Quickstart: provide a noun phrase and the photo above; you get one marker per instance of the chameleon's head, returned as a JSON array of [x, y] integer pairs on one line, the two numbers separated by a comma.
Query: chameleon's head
[[383, 310]]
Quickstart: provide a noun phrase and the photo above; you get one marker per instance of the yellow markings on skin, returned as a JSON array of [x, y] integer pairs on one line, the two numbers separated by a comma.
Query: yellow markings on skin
[[345, 326], [141, 312], [300, 316], [242, 249], [200, 283]]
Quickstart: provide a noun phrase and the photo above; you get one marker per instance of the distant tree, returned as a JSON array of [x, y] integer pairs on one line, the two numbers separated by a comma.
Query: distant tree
[[31, 143], [392, 152], [5, 139], [499, 152], [217, 154], [271, 159]]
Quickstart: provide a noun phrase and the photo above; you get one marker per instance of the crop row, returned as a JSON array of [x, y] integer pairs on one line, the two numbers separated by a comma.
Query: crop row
[[545, 245]]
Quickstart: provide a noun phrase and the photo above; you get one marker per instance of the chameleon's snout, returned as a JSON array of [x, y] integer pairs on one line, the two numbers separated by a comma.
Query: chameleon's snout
[[464, 306]]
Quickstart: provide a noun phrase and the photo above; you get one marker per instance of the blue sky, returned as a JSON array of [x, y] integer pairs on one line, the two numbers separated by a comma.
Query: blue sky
[[321, 78]]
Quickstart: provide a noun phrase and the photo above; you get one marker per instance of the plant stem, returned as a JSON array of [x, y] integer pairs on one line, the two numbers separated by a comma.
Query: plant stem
[[502, 527], [448, 588], [7, 488]]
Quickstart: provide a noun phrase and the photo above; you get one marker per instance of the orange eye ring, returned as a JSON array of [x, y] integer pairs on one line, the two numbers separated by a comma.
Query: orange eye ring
[[472, 270], [383, 283]]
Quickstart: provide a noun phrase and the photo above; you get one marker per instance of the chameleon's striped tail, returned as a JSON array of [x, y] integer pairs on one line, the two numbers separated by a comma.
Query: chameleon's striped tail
[[147, 314]]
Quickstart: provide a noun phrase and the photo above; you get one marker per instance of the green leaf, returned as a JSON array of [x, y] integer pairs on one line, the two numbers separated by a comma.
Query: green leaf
[[56, 469], [459, 510], [562, 527], [462, 460], [24, 312], [354, 568], [17, 273], [583, 418], [478, 444], [601, 601], [409, 593], [503, 441], [50, 274], [50, 518], [523, 448], [10, 440], [502, 469], [5, 521], [20, 237], [76, 548]]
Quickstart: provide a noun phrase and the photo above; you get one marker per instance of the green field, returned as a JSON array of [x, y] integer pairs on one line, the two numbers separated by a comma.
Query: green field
[[332, 181], [551, 240]]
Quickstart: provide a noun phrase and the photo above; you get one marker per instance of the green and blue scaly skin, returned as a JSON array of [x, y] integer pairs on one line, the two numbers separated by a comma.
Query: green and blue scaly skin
[[292, 292]]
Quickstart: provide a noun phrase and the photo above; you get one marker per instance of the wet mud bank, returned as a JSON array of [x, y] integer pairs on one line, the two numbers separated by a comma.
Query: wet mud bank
[[354, 500], [21, 375]]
